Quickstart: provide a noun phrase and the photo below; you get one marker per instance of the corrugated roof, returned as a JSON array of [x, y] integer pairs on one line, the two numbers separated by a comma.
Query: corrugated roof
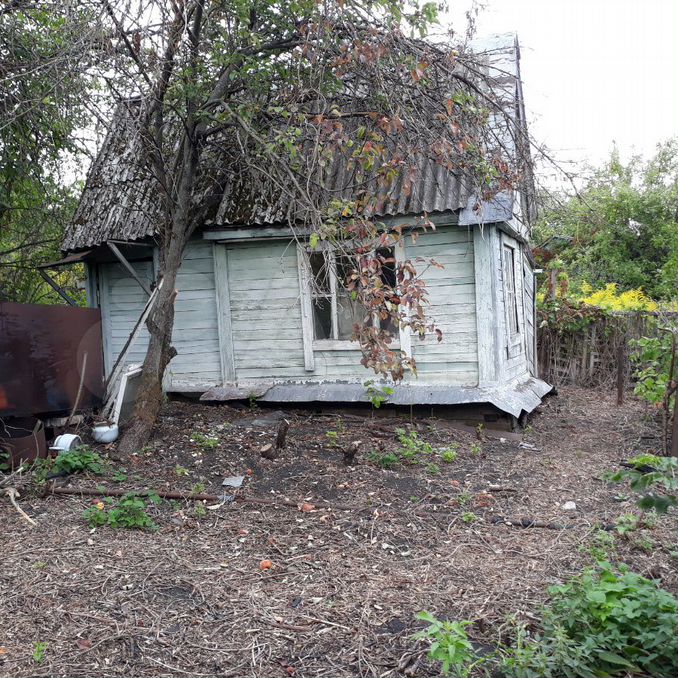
[[120, 198]]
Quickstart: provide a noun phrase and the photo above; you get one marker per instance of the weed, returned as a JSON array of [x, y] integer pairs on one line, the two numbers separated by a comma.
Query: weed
[[41, 469], [449, 644], [413, 447], [205, 443], [629, 522], [384, 460], [198, 488], [643, 543], [39, 565], [39, 649], [181, 471], [252, 400], [433, 469], [449, 455], [129, 512], [377, 395], [199, 511], [333, 437], [463, 498], [602, 622], [603, 544], [469, 517], [79, 460], [5, 461], [119, 476], [476, 449]]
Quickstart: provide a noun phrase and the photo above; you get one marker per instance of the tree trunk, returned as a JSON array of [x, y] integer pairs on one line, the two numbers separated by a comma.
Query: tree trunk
[[160, 351]]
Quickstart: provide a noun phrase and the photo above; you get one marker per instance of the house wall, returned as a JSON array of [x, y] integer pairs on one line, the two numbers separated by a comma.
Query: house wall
[[195, 334], [266, 319], [513, 357], [250, 293], [122, 301]]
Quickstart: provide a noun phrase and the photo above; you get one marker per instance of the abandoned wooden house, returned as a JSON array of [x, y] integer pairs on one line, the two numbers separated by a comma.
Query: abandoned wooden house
[[250, 321]]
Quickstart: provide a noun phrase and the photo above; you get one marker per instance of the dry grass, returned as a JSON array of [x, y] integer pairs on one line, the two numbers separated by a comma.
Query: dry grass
[[340, 599]]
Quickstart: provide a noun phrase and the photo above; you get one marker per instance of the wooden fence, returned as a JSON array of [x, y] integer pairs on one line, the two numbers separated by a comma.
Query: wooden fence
[[597, 355]]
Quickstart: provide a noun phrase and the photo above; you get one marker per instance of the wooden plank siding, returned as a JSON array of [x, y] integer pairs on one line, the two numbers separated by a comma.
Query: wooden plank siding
[[122, 302], [513, 358], [195, 334], [195, 329], [252, 299], [266, 314]]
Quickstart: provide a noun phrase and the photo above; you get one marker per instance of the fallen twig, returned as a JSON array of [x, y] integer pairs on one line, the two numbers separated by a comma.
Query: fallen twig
[[528, 522], [13, 493], [51, 488]]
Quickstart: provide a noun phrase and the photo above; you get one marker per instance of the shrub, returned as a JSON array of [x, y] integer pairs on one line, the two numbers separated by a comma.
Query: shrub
[[129, 512], [449, 644], [618, 621], [601, 622], [78, 460], [653, 477]]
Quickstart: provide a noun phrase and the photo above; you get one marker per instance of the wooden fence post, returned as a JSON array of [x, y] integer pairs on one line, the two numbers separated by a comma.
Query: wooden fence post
[[621, 372]]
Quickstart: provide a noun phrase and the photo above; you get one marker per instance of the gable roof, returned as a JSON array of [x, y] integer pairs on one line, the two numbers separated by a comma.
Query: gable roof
[[120, 201]]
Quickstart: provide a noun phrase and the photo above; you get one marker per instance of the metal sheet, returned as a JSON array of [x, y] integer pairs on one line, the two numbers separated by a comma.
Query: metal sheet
[[513, 398], [42, 352]]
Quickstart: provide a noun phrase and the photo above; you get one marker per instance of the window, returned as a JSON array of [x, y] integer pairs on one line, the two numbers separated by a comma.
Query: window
[[510, 291], [334, 312]]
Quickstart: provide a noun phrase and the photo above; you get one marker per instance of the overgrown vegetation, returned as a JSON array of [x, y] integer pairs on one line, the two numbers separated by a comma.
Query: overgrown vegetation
[[620, 229], [602, 622], [79, 460], [129, 512], [654, 478]]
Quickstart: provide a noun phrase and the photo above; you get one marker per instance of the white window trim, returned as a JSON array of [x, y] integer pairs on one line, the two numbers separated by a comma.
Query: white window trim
[[403, 343], [513, 339]]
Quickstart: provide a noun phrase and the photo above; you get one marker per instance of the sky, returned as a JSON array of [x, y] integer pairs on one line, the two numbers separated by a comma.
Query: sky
[[595, 72]]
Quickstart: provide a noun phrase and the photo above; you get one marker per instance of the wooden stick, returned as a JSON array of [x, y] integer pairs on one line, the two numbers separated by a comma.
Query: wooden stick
[[280, 438], [51, 488], [13, 493], [621, 373]]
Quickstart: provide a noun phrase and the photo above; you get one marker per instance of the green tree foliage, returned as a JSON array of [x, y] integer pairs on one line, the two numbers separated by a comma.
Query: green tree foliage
[[622, 228], [45, 51]]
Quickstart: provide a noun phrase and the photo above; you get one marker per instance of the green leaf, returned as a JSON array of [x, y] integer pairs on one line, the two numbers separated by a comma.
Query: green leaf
[[612, 658]]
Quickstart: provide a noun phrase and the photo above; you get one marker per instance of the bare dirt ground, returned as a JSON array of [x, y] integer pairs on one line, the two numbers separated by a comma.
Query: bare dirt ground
[[372, 548]]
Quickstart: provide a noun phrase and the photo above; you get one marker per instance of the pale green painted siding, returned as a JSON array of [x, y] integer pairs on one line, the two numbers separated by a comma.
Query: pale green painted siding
[[266, 314], [265, 311], [195, 333], [195, 329], [122, 302], [452, 306]]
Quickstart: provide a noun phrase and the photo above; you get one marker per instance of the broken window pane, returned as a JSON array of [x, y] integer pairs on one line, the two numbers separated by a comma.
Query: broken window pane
[[322, 317], [386, 257], [348, 314], [320, 271]]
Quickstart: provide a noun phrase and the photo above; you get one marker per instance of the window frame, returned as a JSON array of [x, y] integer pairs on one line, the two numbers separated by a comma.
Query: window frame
[[311, 294], [508, 254]]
